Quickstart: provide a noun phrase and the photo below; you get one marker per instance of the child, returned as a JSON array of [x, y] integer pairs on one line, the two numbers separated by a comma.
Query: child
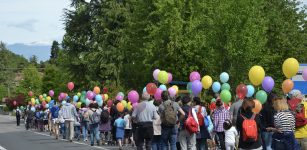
[[120, 124], [230, 133], [210, 130], [128, 126]]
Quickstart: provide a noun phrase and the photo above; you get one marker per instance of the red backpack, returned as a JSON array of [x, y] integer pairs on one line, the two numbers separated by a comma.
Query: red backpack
[[200, 118], [190, 124], [250, 130], [299, 114]]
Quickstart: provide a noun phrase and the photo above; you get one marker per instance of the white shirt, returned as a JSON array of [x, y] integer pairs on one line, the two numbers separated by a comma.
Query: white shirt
[[126, 118], [230, 135]]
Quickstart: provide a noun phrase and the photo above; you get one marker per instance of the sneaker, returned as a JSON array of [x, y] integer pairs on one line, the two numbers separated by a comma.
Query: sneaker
[[98, 143], [120, 148], [86, 139], [56, 137], [70, 140], [126, 144], [92, 144], [105, 143], [64, 137], [132, 143]]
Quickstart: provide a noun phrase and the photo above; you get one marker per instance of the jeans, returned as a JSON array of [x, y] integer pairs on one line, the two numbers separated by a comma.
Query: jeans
[[187, 140], [94, 128], [84, 125], [77, 131], [18, 120], [167, 135], [221, 136], [201, 144], [279, 145], [63, 129], [267, 140], [156, 142], [69, 128], [29, 123]]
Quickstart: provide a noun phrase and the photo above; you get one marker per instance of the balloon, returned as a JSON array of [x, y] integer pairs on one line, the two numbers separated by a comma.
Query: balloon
[[36, 102], [33, 109], [36, 106], [176, 88], [157, 94], [63, 95], [14, 103], [189, 87], [144, 90], [194, 76], [82, 100], [31, 93], [48, 99], [170, 78], [41, 97], [242, 91], [33, 101], [133, 96], [213, 100], [224, 77], [79, 94], [51, 103], [44, 103], [67, 97], [155, 74], [133, 105], [151, 88], [129, 106], [225, 86], [121, 93], [163, 77], [87, 101], [196, 86], [105, 89], [100, 103], [79, 104], [21, 108], [261, 96], [120, 107], [106, 97], [83, 94], [163, 87], [102, 96], [258, 106], [75, 98], [207, 82], [70, 86], [75, 104], [96, 90], [90, 95], [60, 98], [45, 96], [124, 103], [99, 98], [29, 103], [151, 102], [250, 91], [268, 83], [256, 75], [226, 96], [172, 91], [110, 103], [63, 102], [290, 67], [304, 74], [119, 97], [287, 85], [216, 86], [51, 93]]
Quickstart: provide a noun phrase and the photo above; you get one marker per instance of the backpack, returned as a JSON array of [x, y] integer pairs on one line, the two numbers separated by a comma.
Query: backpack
[[200, 117], [104, 116], [298, 112], [95, 117], [38, 115], [207, 121], [250, 129], [55, 113], [169, 115], [82, 116], [190, 124], [17, 113], [30, 114]]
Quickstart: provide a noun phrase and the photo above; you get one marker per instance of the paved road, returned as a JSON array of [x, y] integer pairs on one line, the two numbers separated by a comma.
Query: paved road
[[14, 137]]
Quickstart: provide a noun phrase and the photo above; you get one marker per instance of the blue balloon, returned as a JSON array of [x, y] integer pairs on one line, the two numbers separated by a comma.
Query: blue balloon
[[37, 100], [47, 106], [67, 97], [216, 86], [224, 77], [87, 101], [144, 90], [63, 102], [163, 87], [100, 103], [51, 103], [75, 98], [251, 91], [98, 98], [33, 109]]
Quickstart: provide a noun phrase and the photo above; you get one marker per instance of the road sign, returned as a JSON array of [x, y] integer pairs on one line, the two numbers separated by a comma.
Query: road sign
[[299, 82]]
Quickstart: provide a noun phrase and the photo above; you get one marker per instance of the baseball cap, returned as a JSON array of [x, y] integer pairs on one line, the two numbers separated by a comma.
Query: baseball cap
[[293, 93]]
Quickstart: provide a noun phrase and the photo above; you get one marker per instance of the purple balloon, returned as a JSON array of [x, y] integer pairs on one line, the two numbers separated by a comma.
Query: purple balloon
[[304, 74], [194, 76], [51, 93], [155, 74], [172, 91], [90, 95], [158, 93], [268, 83], [196, 86], [63, 95], [119, 97], [94, 95], [170, 78], [60, 98], [133, 96], [75, 104]]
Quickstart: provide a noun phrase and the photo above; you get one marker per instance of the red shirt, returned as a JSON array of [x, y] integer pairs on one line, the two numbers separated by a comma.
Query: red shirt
[[212, 106]]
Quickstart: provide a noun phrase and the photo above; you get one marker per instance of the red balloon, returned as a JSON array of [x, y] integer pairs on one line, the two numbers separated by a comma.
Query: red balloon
[[105, 89], [103, 97], [110, 103], [31, 93], [151, 88], [70, 86], [14, 103], [44, 103], [242, 91]]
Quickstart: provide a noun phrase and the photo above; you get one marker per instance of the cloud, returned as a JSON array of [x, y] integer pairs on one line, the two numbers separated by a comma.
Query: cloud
[[27, 24]]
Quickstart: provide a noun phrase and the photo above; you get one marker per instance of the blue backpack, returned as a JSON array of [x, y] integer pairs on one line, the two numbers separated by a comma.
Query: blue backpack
[[38, 115], [207, 121], [55, 114]]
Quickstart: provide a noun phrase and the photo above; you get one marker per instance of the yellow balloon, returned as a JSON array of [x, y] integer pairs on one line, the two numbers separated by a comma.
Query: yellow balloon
[[256, 75], [129, 106], [206, 81], [106, 97], [290, 67], [176, 88], [48, 99], [33, 101]]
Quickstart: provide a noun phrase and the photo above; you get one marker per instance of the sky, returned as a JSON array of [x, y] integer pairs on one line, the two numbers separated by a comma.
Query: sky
[[34, 22]]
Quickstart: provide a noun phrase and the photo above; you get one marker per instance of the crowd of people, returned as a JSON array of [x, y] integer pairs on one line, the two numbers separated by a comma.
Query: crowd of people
[[181, 124]]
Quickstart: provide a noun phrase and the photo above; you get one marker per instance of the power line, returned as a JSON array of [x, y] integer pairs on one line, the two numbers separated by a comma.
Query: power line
[[22, 68]]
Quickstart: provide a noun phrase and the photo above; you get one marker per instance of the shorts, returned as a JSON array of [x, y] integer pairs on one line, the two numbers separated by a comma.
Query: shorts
[[127, 133], [212, 135], [49, 123], [46, 122], [119, 139], [54, 126]]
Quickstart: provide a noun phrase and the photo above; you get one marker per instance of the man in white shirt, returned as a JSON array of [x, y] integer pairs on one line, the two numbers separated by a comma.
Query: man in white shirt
[[18, 113]]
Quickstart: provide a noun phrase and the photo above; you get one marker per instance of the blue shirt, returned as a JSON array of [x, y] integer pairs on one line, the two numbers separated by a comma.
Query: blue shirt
[[53, 109], [119, 122]]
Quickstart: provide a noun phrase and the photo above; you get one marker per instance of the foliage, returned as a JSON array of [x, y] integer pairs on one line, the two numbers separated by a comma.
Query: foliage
[[19, 100], [5, 62], [33, 60], [5, 108], [3, 92]]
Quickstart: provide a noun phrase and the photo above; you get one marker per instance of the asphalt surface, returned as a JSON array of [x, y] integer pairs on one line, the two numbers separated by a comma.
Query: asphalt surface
[[13, 137]]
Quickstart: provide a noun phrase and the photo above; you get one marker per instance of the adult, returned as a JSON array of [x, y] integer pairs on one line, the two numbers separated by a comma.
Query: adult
[[68, 112], [186, 139], [54, 114], [44, 114], [77, 126], [30, 117], [213, 104], [144, 113], [247, 113], [93, 126], [219, 117], [62, 123], [267, 121], [169, 132], [156, 140], [84, 119], [295, 104], [284, 138], [18, 112], [105, 126], [233, 111]]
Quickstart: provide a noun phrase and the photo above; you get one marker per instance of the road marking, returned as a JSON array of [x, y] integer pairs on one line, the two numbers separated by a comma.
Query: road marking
[[1, 148]]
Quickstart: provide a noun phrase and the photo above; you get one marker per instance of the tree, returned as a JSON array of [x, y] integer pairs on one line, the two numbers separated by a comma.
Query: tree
[[33, 60], [22, 62], [20, 101], [3, 92], [5, 62], [54, 49]]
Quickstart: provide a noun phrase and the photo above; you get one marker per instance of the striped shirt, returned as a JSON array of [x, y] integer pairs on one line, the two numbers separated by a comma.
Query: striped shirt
[[281, 121]]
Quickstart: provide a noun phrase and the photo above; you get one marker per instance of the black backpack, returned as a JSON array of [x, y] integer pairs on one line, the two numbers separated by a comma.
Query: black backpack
[[17, 113], [30, 114], [104, 116]]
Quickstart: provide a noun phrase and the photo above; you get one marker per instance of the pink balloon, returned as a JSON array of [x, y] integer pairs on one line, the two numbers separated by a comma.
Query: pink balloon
[[304, 74], [103, 97], [158, 93], [14, 103], [95, 101], [119, 97], [172, 91], [170, 78], [60, 98], [63, 95], [90, 95], [155, 74], [44, 103], [194, 76], [29, 103], [92, 101], [133, 96], [31, 93], [51, 93], [75, 104], [133, 105], [70, 86]]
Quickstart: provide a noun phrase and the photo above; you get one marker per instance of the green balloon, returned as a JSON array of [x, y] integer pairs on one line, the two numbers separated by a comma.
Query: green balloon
[[226, 96], [261, 96], [213, 100], [121, 93], [82, 99], [124, 102], [151, 101], [37, 103], [21, 108], [79, 94], [189, 87], [83, 93], [225, 86], [79, 104], [28, 106], [45, 95], [163, 77]]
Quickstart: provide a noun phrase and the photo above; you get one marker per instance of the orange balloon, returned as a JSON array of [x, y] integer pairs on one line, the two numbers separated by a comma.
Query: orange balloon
[[41, 97], [287, 85], [258, 106], [96, 90], [120, 107], [66, 95]]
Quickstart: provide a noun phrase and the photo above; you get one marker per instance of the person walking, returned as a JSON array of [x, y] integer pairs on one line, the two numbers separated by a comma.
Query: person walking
[[128, 127], [234, 109], [156, 140], [120, 125], [17, 113], [94, 119], [62, 123], [105, 124], [77, 126], [84, 119], [230, 135], [30, 117], [54, 114]]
